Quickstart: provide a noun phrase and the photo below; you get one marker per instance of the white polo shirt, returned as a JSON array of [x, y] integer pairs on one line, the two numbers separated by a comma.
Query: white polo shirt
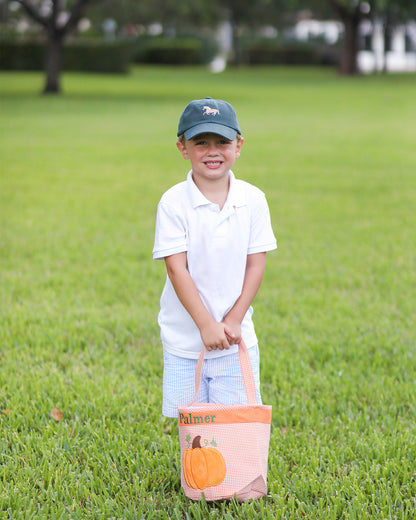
[[217, 244]]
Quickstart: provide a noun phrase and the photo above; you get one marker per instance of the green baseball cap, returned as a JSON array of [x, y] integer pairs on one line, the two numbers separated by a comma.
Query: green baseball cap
[[203, 116]]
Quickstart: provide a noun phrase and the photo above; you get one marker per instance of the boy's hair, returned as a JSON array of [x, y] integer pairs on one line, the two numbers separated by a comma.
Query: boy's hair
[[182, 138]]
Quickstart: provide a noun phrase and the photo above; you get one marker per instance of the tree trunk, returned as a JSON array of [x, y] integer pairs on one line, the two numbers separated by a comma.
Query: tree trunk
[[3, 12], [55, 34], [387, 37], [350, 17], [348, 59], [53, 63]]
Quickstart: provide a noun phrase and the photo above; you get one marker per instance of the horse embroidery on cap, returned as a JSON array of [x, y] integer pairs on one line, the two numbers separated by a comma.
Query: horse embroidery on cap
[[210, 111]]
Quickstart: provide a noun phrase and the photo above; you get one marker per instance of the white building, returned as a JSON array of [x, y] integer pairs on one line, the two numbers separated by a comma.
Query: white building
[[399, 57]]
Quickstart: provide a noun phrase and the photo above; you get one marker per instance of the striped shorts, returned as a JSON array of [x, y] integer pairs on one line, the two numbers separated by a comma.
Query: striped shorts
[[221, 381]]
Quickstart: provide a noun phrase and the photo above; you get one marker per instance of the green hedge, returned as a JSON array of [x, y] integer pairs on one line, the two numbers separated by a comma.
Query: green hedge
[[174, 51], [115, 57], [21, 55], [111, 57], [92, 56], [269, 53]]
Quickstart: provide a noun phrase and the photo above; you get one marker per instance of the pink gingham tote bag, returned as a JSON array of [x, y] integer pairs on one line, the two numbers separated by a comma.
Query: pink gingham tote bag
[[224, 448]]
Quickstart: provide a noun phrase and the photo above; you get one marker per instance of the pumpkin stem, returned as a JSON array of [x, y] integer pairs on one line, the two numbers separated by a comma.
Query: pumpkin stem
[[196, 442]]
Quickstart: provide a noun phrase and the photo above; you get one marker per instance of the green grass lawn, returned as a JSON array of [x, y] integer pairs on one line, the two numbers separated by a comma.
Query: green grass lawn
[[80, 178]]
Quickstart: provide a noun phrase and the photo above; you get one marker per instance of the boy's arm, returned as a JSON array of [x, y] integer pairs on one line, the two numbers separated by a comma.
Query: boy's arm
[[255, 266], [214, 335]]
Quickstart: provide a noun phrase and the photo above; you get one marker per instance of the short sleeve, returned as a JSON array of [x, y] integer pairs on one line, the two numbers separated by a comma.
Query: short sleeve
[[170, 234], [262, 238]]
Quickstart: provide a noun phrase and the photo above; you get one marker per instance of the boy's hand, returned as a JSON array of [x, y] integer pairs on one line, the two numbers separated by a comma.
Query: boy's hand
[[232, 330], [215, 336]]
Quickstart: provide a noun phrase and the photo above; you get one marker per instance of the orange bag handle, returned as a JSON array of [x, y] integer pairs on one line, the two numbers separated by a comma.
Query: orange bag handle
[[246, 372]]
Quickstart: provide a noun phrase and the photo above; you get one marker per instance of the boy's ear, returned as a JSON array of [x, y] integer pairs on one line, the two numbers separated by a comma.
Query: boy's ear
[[238, 147], [182, 148]]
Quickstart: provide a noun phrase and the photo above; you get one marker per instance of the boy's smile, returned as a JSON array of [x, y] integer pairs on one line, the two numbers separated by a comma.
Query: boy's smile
[[211, 155]]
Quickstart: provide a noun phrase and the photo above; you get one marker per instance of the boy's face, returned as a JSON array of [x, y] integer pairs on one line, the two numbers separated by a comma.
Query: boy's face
[[211, 155]]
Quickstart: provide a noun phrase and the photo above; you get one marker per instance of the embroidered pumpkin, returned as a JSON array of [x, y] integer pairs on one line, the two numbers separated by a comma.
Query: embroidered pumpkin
[[203, 467]]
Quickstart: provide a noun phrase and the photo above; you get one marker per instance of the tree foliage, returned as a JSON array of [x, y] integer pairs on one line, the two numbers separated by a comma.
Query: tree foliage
[[171, 14], [59, 17]]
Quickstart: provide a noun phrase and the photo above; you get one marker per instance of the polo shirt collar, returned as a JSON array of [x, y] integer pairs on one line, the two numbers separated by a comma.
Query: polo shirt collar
[[236, 195]]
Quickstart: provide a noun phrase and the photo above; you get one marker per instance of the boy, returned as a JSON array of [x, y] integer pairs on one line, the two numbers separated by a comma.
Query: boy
[[213, 232]]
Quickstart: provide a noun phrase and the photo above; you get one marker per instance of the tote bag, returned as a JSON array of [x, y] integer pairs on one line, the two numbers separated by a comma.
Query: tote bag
[[224, 448]]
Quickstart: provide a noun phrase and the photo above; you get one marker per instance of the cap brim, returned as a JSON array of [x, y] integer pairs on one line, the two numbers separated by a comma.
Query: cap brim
[[211, 128]]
